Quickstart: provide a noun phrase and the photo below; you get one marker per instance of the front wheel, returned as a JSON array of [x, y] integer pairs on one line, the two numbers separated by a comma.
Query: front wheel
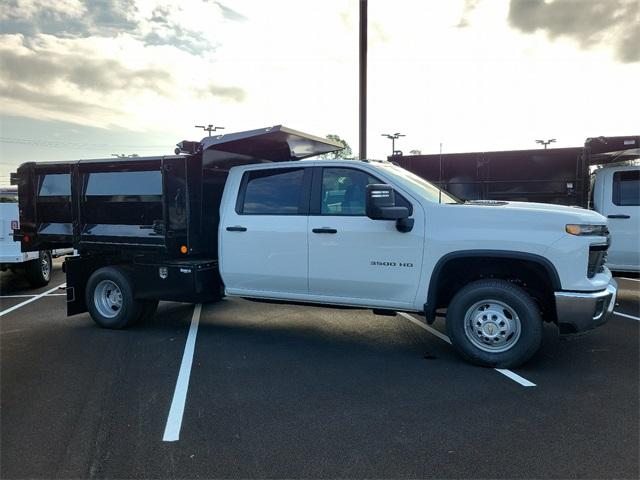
[[494, 323]]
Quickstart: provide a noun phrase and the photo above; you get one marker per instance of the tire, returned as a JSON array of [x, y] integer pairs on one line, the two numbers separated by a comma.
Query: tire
[[494, 323], [38, 271], [148, 310], [109, 298]]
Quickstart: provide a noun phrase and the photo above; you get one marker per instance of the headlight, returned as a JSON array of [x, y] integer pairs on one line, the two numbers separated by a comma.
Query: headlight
[[594, 230]]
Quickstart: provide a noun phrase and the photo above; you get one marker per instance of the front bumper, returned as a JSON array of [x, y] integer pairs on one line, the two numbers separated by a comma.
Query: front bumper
[[580, 311]]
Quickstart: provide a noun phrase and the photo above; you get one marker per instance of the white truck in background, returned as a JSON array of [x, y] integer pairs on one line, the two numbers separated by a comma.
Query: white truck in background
[[36, 266], [615, 193]]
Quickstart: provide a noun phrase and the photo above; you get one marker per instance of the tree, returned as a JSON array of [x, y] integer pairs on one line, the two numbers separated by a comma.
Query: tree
[[415, 152], [346, 152]]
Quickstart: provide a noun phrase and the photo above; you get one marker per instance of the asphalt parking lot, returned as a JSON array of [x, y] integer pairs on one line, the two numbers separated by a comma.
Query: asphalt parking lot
[[290, 391]]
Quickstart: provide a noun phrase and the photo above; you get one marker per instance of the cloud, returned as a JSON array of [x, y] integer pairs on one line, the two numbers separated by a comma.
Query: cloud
[[231, 14], [467, 11], [588, 22], [38, 72], [166, 27], [68, 18]]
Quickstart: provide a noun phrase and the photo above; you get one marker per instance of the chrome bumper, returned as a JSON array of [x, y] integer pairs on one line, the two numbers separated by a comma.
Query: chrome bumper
[[580, 311]]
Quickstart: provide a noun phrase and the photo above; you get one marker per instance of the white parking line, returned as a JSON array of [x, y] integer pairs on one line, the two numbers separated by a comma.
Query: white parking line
[[31, 296], [515, 377], [508, 373], [627, 316], [632, 279], [32, 299], [174, 420]]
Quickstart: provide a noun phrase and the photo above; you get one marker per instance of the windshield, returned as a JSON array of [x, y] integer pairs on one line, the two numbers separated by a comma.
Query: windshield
[[428, 189]]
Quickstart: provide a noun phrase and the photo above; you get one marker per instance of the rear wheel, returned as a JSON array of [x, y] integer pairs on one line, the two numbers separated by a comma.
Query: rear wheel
[[494, 323], [38, 271], [109, 298]]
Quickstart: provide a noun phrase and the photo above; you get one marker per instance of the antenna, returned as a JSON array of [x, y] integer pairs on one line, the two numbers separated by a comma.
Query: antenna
[[440, 177]]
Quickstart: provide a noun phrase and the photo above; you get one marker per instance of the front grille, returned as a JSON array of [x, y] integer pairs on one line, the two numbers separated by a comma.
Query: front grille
[[597, 259]]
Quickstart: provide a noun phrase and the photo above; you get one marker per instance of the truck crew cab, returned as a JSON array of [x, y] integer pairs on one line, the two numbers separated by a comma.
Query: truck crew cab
[[243, 215]]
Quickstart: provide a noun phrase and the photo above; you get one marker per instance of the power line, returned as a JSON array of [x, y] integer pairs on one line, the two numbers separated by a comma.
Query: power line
[[62, 144]]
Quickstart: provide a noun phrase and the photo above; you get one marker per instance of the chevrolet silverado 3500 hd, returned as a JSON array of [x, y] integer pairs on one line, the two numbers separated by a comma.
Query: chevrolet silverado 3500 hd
[[239, 216]]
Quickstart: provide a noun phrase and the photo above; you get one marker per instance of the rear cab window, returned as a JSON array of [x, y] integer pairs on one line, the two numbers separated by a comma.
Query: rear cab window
[[274, 192]]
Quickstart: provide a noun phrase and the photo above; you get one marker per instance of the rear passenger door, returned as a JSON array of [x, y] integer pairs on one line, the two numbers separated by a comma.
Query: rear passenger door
[[263, 250]]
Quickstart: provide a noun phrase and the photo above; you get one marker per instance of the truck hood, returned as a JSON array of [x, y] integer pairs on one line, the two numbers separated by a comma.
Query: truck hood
[[575, 214]]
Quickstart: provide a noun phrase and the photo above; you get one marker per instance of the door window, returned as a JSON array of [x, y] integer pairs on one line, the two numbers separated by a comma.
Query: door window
[[273, 192], [344, 192], [626, 188]]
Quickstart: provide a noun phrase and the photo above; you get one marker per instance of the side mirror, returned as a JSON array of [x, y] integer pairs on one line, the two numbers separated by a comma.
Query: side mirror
[[381, 203]]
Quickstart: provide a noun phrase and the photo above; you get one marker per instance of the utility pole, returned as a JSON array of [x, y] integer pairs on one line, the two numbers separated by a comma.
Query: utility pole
[[363, 81], [546, 142], [209, 128], [393, 137]]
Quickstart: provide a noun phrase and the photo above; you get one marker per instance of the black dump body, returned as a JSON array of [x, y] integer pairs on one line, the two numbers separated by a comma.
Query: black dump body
[[155, 218], [156, 206], [558, 175]]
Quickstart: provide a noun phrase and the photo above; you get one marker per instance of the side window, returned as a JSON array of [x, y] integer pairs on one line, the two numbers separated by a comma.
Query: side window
[[344, 192], [626, 188], [55, 185], [124, 184], [273, 192]]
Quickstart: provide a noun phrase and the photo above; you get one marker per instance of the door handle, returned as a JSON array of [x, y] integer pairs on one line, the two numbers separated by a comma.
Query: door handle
[[324, 230], [618, 216], [236, 229]]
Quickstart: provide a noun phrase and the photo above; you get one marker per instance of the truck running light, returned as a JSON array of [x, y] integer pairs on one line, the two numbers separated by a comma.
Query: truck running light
[[183, 249], [591, 230]]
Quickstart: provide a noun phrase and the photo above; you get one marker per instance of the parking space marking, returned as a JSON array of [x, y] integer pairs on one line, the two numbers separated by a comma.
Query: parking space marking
[[32, 299], [428, 328], [632, 279], [507, 373], [174, 420], [30, 296], [627, 316], [515, 377]]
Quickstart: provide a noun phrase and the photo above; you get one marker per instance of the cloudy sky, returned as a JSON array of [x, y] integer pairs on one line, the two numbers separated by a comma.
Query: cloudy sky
[[83, 79]]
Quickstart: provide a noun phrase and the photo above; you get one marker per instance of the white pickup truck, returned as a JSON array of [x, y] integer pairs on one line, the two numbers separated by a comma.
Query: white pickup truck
[[615, 193], [330, 232], [36, 266]]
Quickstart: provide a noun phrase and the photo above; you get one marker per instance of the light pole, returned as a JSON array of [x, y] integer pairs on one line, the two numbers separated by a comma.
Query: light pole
[[546, 142], [393, 137], [362, 75], [209, 128]]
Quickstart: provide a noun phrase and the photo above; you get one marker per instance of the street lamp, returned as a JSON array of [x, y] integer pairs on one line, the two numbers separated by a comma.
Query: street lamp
[[209, 128], [546, 142], [393, 137]]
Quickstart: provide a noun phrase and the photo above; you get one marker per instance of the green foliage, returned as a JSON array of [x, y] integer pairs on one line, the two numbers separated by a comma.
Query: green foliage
[[346, 152]]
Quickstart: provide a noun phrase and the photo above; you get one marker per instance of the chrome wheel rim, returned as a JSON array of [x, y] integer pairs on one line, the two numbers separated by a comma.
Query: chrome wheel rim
[[45, 267], [492, 326], [107, 298]]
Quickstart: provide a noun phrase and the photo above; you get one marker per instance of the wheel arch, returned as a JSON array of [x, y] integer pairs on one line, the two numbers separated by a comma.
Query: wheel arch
[[456, 269]]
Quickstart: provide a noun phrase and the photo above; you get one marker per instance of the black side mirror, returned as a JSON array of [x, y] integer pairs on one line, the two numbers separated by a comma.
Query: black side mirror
[[381, 203]]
